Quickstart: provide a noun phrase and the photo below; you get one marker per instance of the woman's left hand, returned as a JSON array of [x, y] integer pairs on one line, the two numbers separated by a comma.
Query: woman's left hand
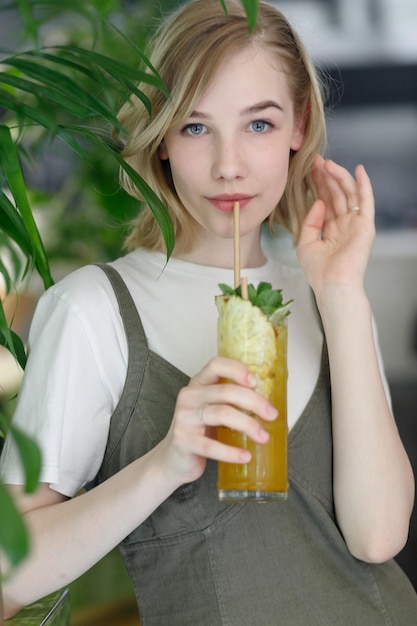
[[369, 459], [336, 239]]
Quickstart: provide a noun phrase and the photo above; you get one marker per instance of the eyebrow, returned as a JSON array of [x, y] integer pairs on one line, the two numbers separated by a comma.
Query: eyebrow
[[261, 106], [254, 108]]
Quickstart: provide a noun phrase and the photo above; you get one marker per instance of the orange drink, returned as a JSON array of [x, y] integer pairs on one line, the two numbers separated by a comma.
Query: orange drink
[[246, 334]]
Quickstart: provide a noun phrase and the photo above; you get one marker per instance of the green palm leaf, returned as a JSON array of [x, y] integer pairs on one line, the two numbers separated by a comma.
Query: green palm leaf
[[122, 77], [14, 538], [30, 457], [11, 167], [10, 340], [12, 224], [251, 7], [52, 88], [155, 204], [60, 89]]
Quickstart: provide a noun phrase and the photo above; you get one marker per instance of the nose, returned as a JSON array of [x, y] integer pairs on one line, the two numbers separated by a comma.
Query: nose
[[228, 161]]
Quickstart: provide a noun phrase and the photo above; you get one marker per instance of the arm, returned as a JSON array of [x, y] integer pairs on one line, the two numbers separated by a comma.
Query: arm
[[70, 535], [373, 480]]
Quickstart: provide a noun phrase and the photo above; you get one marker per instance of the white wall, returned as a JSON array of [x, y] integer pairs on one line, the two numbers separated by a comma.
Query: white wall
[[391, 284]]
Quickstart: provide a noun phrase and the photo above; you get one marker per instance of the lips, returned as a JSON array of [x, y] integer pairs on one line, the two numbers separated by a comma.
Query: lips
[[225, 202]]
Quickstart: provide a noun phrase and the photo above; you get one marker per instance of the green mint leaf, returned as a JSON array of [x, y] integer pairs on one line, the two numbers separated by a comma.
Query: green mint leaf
[[270, 298], [227, 290], [251, 293], [263, 287], [264, 297]]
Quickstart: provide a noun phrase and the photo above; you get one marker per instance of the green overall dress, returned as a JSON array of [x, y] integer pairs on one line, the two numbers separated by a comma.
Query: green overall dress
[[198, 562]]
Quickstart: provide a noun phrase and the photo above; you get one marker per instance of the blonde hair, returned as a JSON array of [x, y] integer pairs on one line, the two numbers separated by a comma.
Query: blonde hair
[[187, 51]]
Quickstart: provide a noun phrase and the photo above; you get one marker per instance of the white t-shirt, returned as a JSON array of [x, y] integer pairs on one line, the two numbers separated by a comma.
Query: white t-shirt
[[78, 353]]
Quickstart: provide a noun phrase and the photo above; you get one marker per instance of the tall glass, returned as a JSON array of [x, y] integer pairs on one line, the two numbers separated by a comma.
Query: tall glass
[[245, 334]]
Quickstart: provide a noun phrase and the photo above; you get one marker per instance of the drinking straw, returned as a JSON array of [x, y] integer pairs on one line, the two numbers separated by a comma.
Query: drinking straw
[[244, 288], [236, 240]]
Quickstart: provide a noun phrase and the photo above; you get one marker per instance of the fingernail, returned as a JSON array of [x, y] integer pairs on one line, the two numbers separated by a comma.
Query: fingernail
[[272, 411], [245, 456], [252, 380], [263, 435]]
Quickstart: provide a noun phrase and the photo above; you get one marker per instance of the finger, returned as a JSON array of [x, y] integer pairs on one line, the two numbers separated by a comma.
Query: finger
[[214, 449], [318, 177], [192, 398], [243, 398], [342, 187], [313, 224], [366, 200], [328, 188], [223, 415], [221, 367]]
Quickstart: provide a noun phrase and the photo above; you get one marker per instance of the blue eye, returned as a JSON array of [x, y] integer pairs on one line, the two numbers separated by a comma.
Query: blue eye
[[260, 126], [194, 129]]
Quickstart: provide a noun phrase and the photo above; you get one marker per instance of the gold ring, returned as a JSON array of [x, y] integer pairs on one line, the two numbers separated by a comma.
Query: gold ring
[[355, 209]]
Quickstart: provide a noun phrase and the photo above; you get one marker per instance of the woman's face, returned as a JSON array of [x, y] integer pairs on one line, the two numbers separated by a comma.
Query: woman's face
[[235, 146]]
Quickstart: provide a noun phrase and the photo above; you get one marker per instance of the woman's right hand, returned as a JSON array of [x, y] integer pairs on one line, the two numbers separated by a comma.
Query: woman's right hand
[[205, 404], [69, 527]]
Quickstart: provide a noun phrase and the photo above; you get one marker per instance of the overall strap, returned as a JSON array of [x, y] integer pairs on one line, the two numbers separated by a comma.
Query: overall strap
[[138, 352]]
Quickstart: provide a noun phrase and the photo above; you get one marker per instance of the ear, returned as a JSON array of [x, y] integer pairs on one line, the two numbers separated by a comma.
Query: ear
[[298, 132], [163, 152]]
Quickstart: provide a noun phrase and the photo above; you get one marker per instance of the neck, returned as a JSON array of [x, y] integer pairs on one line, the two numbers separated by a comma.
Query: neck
[[220, 252]]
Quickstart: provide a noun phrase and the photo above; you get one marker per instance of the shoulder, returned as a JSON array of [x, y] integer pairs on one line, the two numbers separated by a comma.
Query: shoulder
[[81, 304], [83, 285], [85, 297], [88, 289]]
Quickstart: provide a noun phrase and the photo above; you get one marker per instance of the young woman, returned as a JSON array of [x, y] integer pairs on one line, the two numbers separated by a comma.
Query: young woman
[[121, 386]]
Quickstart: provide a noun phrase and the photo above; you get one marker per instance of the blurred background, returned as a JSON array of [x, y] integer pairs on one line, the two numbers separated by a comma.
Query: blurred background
[[366, 51]]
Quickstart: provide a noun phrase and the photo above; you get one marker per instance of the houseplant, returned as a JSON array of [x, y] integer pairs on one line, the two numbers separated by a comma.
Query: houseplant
[[45, 95], [61, 92]]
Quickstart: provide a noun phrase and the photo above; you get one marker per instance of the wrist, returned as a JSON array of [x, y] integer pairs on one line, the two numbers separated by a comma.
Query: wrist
[[340, 305], [171, 470]]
